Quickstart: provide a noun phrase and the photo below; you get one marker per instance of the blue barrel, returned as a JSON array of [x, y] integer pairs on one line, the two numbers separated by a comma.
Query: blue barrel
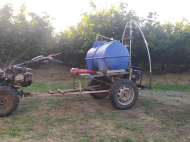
[[107, 56]]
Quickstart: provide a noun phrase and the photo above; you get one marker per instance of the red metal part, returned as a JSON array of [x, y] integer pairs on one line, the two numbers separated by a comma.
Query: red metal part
[[49, 56], [77, 72]]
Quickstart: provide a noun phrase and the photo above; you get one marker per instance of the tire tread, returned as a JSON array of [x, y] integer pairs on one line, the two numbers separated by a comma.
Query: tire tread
[[15, 97], [113, 92]]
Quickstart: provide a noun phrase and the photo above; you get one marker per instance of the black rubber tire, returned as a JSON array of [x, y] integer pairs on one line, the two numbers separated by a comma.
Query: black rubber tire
[[93, 82], [13, 97], [113, 92]]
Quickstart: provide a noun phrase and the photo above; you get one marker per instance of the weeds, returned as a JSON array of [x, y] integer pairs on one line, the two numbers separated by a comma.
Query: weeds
[[46, 85], [83, 118], [170, 87]]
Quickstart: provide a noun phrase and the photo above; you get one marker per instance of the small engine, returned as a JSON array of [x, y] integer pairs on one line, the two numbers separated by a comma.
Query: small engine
[[17, 77], [136, 74]]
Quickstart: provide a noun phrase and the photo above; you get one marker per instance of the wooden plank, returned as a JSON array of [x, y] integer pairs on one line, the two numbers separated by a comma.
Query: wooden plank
[[50, 92], [90, 88], [82, 89], [59, 94], [40, 95], [60, 91], [71, 90], [86, 92]]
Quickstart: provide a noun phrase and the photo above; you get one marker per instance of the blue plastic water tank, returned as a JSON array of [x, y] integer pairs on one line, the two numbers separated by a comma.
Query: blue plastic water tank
[[107, 56]]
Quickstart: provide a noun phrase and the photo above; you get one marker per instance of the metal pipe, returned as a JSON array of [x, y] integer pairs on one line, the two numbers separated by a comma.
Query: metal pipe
[[97, 37], [103, 37], [73, 82], [150, 86], [124, 31], [131, 31], [130, 73], [79, 80], [130, 38]]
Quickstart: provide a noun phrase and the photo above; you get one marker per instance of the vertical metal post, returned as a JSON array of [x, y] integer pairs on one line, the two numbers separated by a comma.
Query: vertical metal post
[[124, 31], [130, 41], [130, 74], [79, 79], [150, 83], [97, 37], [73, 82]]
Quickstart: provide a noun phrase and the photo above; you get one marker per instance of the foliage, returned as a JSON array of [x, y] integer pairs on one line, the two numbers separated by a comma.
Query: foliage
[[18, 34], [169, 43]]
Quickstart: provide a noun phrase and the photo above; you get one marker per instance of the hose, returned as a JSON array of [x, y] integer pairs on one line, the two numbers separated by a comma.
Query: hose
[[124, 31], [150, 85]]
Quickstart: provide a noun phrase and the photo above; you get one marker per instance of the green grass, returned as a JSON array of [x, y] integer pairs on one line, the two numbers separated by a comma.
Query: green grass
[[75, 118], [131, 128], [82, 118], [169, 87], [11, 131], [46, 85]]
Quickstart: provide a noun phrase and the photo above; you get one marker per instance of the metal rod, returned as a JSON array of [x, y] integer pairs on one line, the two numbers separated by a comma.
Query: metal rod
[[87, 92], [124, 31], [103, 37], [130, 41], [79, 79], [73, 82], [130, 74], [101, 75], [97, 37], [148, 54], [68, 93]]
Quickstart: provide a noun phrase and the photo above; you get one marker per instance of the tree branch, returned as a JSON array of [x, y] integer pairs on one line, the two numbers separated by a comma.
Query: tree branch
[[15, 60], [7, 59]]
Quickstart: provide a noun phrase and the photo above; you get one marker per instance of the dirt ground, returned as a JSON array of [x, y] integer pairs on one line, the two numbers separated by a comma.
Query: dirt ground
[[158, 116]]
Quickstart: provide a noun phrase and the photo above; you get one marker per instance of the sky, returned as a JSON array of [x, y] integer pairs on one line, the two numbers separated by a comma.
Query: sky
[[67, 12]]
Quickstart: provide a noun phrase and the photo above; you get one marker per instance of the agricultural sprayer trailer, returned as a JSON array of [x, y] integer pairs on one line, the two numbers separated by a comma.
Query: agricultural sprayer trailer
[[109, 72]]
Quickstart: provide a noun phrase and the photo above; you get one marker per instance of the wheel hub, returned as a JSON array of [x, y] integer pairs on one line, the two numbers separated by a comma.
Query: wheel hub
[[2, 101], [125, 95]]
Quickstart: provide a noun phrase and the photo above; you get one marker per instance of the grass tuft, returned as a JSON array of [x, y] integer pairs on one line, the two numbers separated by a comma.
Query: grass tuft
[[170, 87]]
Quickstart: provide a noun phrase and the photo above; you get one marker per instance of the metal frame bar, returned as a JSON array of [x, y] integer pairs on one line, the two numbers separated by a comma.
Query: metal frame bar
[[80, 90], [86, 92], [73, 82], [103, 37], [59, 94], [100, 75]]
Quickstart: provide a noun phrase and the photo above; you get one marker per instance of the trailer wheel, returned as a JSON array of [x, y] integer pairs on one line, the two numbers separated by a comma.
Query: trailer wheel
[[123, 94], [8, 100], [93, 82]]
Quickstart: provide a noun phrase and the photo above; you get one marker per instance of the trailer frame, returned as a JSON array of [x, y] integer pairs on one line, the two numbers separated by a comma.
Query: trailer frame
[[85, 89]]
